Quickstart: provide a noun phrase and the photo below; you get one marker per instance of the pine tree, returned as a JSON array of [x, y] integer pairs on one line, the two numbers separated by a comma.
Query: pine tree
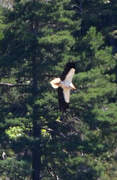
[[39, 38], [95, 100], [37, 43]]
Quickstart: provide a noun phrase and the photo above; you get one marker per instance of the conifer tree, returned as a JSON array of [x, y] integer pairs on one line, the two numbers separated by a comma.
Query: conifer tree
[[39, 38], [95, 100], [37, 43]]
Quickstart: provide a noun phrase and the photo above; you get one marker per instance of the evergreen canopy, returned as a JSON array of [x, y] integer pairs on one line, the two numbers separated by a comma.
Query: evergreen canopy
[[37, 39]]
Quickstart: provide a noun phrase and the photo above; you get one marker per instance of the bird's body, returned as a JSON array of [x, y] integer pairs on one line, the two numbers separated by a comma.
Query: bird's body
[[64, 85]]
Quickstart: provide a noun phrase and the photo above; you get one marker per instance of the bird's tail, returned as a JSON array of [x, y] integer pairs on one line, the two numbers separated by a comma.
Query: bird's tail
[[55, 83]]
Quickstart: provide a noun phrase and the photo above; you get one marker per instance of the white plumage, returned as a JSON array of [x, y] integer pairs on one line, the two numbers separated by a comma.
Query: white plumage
[[54, 83], [65, 84]]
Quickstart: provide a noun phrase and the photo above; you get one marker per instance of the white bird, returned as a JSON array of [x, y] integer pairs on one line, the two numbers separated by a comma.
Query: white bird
[[4, 156], [64, 85]]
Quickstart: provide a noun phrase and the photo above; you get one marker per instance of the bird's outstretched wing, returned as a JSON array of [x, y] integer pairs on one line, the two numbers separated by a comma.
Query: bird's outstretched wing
[[66, 93], [63, 105], [67, 70], [69, 75]]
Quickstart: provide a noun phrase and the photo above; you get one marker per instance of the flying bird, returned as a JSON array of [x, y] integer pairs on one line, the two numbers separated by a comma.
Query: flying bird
[[64, 85], [4, 156]]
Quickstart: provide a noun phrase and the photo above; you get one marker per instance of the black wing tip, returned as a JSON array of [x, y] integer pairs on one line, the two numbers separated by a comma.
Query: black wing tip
[[71, 65], [68, 66], [62, 104]]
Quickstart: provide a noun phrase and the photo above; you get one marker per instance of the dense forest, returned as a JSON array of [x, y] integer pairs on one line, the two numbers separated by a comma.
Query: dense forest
[[37, 39]]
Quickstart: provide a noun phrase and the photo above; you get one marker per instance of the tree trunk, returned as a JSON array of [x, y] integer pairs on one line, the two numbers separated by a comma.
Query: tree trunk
[[36, 150], [36, 153], [36, 157]]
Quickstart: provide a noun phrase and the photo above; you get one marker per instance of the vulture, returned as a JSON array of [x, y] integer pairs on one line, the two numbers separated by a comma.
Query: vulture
[[64, 85]]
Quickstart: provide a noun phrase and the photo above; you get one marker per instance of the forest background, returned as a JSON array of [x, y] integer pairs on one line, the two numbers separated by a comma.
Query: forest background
[[37, 39]]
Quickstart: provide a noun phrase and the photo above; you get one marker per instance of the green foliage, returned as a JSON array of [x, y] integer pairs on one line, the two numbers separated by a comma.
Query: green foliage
[[37, 38], [13, 168]]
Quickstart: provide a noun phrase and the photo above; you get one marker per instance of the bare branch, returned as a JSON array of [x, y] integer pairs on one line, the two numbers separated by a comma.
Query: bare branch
[[11, 85], [52, 173]]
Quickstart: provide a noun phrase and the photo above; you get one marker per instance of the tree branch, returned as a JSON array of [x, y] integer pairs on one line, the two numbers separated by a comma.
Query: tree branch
[[11, 85]]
